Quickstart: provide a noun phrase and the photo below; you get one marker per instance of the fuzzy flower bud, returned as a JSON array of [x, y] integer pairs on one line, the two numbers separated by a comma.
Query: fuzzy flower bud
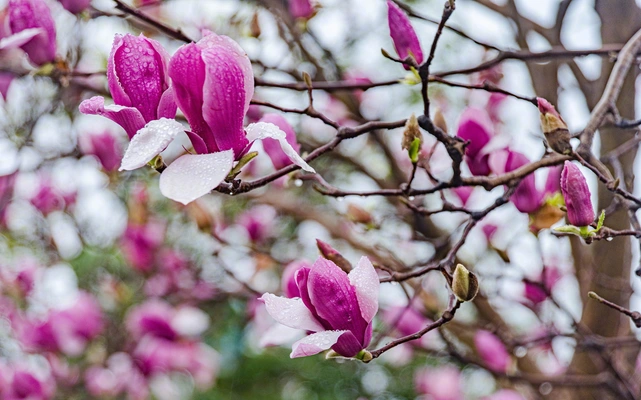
[[465, 284], [577, 196], [554, 128], [412, 138]]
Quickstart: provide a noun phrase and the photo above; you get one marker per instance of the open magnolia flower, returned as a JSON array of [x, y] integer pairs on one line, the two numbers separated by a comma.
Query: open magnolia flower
[[213, 84], [338, 308], [31, 28]]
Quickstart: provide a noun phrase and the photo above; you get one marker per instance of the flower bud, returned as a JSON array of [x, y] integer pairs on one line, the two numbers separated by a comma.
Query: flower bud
[[412, 138], [333, 255], [577, 196], [554, 128], [465, 284], [405, 40]]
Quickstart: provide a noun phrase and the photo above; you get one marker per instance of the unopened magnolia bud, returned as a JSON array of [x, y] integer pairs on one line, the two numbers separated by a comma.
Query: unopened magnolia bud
[[412, 138], [358, 214], [465, 284], [333, 255], [439, 121], [554, 128]]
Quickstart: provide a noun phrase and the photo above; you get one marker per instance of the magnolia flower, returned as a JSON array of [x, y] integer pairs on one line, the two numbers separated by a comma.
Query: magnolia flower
[[301, 9], [492, 351], [442, 383], [33, 30], [25, 384], [213, 83], [405, 40], [105, 147], [536, 291], [138, 82], [75, 6], [336, 307], [577, 196], [67, 330], [527, 198], [476, 127]]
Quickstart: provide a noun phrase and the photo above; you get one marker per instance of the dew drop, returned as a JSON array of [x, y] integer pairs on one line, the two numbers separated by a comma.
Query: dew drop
[[298, 183]]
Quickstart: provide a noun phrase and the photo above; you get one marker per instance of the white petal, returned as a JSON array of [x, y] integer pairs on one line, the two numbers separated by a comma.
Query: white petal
[[278, 335], [291, 312], [149, 141], [192, 176], [20, 38], [315, 343], [365, 280], [263, 130]]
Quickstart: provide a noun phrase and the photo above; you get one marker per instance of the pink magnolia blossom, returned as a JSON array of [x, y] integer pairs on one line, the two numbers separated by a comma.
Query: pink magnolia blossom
[[139, 84], [104, 146], [166, 340], [443, 383], [405, 40], [407, 321], [492, 351], [272, 146], [140, 243], [527, 198], [258, 221], [49, 198], [119, 376], [577, 196], [23, 384], [67, 330], [33, 30], [301, 9], [75, 6], [476, 127], [533, 290], [213, 83], [336, 307]]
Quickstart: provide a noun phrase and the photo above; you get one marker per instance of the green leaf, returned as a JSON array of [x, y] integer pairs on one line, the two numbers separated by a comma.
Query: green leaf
[[414, 150], [599, 223], [241, 163]]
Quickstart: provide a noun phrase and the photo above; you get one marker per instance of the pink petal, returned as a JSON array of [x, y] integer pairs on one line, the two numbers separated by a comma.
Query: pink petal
[[272, 146], [365, 280], [187, 72], [20, 38], [291, 312], [315, 343], [193, 176], [475, 126], [263, 130], [128, 117], [149, 142], [224, 98]]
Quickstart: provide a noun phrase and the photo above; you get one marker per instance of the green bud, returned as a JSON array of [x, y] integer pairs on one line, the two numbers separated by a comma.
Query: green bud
[[465, 284]]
